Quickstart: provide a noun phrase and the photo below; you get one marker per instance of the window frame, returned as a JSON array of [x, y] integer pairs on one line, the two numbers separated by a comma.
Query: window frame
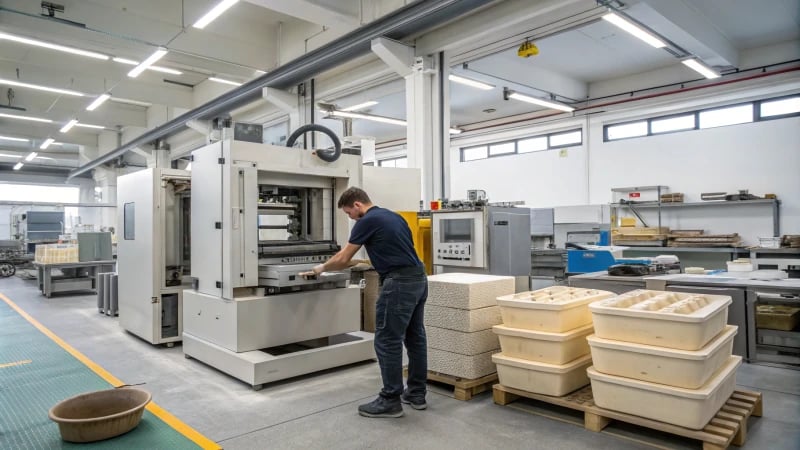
[[516, 141]]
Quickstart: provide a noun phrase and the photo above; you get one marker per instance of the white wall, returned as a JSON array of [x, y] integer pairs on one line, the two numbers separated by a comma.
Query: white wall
[[763, 157]]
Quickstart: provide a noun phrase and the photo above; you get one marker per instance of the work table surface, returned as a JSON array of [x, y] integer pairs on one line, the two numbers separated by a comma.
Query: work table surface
[[721, 280]]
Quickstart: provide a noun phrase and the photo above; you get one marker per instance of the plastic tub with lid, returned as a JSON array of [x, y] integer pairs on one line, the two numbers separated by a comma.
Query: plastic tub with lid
[[665, 319], [680, 368], [555, 309], [689, 408]]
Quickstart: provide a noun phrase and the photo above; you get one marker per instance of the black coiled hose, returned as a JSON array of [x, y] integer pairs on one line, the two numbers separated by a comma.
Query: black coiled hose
[[325, 155]]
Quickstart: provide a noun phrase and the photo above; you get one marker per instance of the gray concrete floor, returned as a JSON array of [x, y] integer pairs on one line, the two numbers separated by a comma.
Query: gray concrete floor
[[319, 410]]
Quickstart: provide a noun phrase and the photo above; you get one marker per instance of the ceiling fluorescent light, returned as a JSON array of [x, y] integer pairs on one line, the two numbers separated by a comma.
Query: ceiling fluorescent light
[[61, 48], [360, 106], [158, 54], [97, 102], [8, 138], [68, 126], [130, 102], [32, 119], [382, 119], [224, 81], [86, 125], [31, 156], [40, 88], [700, 68], [214, 13], [47, 142], [18, 166], [470, 82], [131, 62], [540, 102], [634, 29]]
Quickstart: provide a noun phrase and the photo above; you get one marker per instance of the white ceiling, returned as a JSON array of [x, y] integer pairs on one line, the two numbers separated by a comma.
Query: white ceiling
[[246, 38]]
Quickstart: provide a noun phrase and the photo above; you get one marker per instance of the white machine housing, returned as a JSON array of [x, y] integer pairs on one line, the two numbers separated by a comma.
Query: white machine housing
[[150, 253], [229, 321]]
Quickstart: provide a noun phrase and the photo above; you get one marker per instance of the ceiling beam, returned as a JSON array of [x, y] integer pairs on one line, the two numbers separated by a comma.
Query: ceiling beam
[[311, 12]]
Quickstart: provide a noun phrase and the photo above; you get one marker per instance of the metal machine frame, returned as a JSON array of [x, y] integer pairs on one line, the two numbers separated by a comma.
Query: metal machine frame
[[151, 249], [232, 319]]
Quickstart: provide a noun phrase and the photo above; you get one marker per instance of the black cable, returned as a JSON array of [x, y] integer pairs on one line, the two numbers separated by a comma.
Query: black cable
[[325, 155]]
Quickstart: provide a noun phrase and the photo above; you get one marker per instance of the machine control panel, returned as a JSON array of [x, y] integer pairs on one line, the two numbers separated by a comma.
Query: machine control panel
[[454, 252]]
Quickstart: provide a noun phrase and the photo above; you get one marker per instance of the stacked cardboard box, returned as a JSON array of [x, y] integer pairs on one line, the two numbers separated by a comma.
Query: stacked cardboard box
[[459, 315]]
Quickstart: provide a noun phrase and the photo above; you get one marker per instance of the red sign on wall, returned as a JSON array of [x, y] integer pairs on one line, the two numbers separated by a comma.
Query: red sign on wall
[[634, 195]]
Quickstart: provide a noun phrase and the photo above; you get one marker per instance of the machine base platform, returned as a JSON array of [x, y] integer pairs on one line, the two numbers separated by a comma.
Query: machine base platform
[[265, 366]]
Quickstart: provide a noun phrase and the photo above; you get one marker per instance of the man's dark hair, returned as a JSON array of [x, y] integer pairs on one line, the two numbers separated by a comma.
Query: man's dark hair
[[352, 195]]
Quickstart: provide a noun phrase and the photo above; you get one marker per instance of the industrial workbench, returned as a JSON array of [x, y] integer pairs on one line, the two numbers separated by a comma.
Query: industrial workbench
[[76, 276]]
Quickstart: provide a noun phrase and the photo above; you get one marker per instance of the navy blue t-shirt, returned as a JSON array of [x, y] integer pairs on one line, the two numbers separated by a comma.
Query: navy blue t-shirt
[[387, 238]]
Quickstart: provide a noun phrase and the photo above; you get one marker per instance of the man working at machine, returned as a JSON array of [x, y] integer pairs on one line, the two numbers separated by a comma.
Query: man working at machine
[[400, 307]]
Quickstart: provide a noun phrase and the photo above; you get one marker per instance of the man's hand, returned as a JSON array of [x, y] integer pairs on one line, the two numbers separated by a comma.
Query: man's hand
[[313, 273]]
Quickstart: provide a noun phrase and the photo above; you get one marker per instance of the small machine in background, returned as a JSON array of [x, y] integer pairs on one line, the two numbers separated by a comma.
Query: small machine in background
[[474, 236]]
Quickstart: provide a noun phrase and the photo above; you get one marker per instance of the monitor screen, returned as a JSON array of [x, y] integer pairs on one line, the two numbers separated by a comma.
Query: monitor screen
[[456, 230]]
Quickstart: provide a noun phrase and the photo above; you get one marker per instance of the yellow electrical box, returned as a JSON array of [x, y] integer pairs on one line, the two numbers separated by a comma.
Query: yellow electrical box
[[628, 222]]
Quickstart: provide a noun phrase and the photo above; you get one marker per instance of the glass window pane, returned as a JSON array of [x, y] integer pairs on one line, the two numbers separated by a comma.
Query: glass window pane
[[572, 137], [627, 130], [471, 154], [387, 163], [401, 162], [726, 116], [779, 107], [532, 145], [501, 149], [672, 124]]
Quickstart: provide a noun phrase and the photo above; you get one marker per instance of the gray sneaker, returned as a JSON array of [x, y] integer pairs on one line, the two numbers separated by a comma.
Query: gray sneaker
[[414, 402], [381, 407]]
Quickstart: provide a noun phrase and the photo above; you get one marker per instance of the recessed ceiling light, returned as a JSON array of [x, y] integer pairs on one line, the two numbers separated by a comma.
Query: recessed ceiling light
[[61, 48], [131, 62], [87, 125], [224, 81], [158, 54], [8, 138], [40, 88], [47, 142], [470, 82], [700, 68], [130, 101], [374, 118], [634, 29], [97, 102], [31, 156], [538, 101], [215, 12], [32, 119], [68, 125], [18, 166], [360, 106]]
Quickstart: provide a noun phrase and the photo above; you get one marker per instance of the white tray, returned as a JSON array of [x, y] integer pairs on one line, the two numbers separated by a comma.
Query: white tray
[[665, 319], [543, 346], [689, 408], [542, 378], [680, 368], [555, 309]]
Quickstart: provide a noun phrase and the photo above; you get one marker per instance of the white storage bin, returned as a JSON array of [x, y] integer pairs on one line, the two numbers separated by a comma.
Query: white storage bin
[[689, 408], [556, 309], [542, 378], [680, 368], [664, 319], [543, 346]]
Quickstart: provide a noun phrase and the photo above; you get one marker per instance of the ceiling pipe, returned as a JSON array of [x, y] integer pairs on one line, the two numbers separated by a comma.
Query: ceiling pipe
[[411, 19]]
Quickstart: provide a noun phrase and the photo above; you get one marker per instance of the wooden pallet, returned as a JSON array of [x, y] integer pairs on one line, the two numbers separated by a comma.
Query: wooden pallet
[[464, 388], [728, 426]]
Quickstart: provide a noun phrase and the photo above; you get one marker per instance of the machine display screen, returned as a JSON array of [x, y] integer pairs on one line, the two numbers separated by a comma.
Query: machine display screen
[[456, 230]]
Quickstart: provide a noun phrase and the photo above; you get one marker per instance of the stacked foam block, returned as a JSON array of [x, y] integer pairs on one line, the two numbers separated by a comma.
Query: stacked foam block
[[459, 315], [665, 356], [543, 338]]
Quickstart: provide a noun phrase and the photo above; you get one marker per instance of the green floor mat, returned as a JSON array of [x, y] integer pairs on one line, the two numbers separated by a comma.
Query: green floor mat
[[45, 374]]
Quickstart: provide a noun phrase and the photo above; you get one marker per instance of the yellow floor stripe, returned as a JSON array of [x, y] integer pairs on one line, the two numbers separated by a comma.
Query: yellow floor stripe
[[156, 410], [16, 363]]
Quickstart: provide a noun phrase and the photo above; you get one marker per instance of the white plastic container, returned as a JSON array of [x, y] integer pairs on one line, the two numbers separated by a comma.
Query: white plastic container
[[740, 265], [555, 309], [543, 346], [769, 242], [679, 368], [664, 319], [689, 408], [542, 378]]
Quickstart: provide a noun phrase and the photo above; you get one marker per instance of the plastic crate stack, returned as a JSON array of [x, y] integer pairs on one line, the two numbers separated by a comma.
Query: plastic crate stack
[[665, 356], [543, 339], [459, 315]]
